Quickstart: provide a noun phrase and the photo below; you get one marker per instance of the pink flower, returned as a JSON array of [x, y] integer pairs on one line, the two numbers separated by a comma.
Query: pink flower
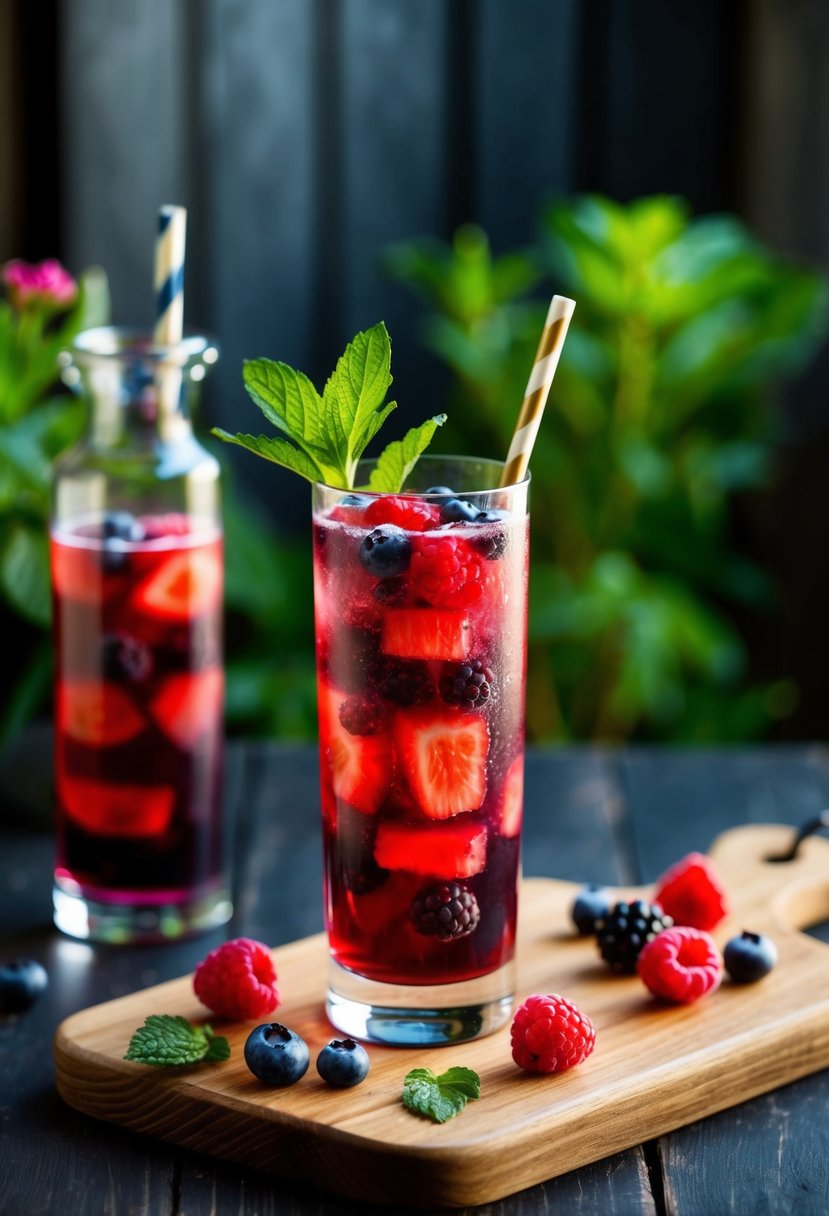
[[45, 283]]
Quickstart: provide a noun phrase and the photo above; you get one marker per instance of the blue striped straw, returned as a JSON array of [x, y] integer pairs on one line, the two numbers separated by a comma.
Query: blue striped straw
[[169, 275]]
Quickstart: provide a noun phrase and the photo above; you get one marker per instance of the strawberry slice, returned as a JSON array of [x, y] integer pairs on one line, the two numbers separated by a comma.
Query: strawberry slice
[[451, 850], [188, 705], [360, 767], [443, 756], [512, 799], [116, 810], [188, 583], [97, 713], [426, 633]]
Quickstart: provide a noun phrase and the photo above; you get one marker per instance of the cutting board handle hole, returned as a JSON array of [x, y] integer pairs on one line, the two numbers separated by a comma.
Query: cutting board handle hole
[[810, 827]]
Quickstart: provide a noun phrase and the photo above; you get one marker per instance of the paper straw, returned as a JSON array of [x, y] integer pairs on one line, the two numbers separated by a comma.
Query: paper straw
[[538, 387], [169, 276]]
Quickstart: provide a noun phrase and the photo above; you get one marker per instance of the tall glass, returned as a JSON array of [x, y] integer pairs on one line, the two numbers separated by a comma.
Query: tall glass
[[137, 575], [421, 630]]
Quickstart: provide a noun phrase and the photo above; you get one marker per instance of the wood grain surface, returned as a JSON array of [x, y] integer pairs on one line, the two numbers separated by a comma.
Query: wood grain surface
[[655, 1067]]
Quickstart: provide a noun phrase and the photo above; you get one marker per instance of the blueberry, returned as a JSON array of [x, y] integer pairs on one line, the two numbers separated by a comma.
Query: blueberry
[[354, 500], [118, 526], [492, 544], [591, 902], [749, 957], [21, 983], [458, 511], [343, 1063], [444, 490], [386, 551], [276, 1055]]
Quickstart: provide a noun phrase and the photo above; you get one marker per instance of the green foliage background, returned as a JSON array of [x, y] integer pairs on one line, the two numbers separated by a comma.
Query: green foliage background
[[661, 415]]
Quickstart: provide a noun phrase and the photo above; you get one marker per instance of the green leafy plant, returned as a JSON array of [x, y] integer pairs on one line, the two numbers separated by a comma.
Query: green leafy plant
[[166, 1040], [44, 309], [440, 1098], [659, 417]]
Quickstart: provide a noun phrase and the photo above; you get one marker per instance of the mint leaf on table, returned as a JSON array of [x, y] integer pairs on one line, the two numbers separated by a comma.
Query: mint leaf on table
[[166, 1040], [440, 1097], [396, 461], [323, 437]]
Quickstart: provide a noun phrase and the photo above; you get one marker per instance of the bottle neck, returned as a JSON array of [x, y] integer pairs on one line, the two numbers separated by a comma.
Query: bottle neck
[[136, 404]]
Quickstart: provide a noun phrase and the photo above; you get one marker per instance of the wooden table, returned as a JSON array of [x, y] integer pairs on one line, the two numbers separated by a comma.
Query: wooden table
[[615, 817]]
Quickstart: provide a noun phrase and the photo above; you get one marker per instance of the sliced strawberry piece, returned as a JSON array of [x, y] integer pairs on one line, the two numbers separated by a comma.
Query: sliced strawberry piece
[[512, 799], [360, 767], [97, 713], [188, 705], [116, 810], [188, 583], [426, 633], [403, 512], [451, 850], [443, 756]]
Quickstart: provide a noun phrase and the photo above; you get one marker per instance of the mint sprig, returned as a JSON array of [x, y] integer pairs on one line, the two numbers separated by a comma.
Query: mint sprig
[[167, 1040], [440, 1097], [323, 437]]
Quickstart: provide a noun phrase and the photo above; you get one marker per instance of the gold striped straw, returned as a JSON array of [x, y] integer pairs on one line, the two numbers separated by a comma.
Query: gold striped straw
[[538, 388], [168, 279]]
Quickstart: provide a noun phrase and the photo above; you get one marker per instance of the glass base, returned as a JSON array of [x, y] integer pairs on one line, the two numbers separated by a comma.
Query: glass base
[[409, 1016], [137, 920]]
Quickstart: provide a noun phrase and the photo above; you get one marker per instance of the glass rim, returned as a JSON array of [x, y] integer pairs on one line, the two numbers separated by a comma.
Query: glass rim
[[431, 457], [111, 343]]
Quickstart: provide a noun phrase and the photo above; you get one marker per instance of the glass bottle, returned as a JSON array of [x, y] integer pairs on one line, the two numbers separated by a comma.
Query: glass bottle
[[137, 579]]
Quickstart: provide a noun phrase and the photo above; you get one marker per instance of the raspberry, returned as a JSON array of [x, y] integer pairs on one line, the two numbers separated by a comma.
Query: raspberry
[[550, 1034], [680, 965], [446, 572], [403, 512], [467, 684], [237, 980], [446, 911], [623, 931], [691, 892], [405, 683], [360, 716]]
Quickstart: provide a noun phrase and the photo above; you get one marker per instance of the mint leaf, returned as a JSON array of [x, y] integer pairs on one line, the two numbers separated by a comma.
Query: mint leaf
[[355, 392], [322, 438], [440, 1097], [277, 450], [166, 1040], [398, 459]]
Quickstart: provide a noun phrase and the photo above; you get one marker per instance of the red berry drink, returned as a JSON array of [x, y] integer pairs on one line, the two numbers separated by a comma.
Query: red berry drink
[[138, 709], [421, 603]]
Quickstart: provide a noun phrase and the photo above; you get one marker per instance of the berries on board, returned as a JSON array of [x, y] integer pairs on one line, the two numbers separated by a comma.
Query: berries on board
[[623, 931], [237, 980], [550, 1034], [692, 893], [590, 903], [749, 957], [680, 964], [276, 1055], [343, 1063]]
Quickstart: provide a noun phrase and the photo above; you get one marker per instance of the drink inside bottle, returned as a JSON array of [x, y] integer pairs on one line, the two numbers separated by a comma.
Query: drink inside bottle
[[137, 580], [421, 653]]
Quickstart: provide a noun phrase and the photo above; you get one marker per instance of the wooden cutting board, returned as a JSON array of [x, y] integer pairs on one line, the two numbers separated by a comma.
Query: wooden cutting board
[[655, 1067]]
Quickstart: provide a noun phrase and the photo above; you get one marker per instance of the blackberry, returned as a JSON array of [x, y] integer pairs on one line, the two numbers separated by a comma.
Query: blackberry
[[405, 682], [623, 931], [360, 715], [125, 658], [491, 545], [468, 685], [446, 911]]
